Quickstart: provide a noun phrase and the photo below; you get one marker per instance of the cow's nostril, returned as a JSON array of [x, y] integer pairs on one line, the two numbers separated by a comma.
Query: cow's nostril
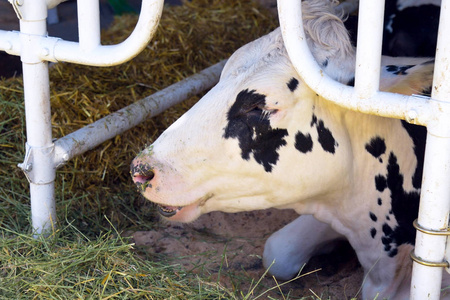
[[142, 175], [140, 178]]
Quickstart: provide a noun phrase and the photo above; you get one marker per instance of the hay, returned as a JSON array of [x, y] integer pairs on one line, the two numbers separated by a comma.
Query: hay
[[190, 38], [106, 267]]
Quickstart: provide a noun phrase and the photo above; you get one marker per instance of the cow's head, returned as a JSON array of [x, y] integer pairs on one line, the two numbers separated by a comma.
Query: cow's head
[[260, 138]]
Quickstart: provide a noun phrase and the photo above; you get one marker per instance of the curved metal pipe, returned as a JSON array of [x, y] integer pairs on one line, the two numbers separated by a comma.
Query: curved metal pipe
[[55, 49], [364, 97], [111, 55]]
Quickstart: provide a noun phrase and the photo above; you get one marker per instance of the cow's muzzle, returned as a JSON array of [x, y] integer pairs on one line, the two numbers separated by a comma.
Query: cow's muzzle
[[142, 174]]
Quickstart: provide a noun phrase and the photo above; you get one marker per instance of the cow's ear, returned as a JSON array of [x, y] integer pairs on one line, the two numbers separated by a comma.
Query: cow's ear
[[408, 79], [328, 39]]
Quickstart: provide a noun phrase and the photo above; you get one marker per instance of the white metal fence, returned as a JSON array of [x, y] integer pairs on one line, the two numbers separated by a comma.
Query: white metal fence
[[43, 156], [434, 113]]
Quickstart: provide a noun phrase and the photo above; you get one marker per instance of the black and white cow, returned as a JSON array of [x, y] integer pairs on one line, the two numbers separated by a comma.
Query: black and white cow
[[261, 138], [410, 26]]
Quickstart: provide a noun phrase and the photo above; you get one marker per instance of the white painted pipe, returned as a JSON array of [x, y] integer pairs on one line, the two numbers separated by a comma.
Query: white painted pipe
[[110, 55], [368, 53], [35, 49], [38, 164], [88, 24], [435, 197], [93, 135], [381, 103], [55, 49]]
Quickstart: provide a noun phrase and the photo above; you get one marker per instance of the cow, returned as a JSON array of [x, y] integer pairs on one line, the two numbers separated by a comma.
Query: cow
[[410, 26], [261, 138]]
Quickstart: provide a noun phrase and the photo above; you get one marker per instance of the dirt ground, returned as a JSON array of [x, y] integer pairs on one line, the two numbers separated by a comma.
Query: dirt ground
[[229, 247]]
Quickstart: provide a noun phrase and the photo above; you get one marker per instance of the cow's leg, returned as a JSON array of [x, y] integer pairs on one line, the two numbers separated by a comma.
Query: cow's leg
[[288, 249]]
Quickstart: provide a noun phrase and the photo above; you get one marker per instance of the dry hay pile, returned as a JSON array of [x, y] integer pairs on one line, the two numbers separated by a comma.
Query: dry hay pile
[[190, 38]]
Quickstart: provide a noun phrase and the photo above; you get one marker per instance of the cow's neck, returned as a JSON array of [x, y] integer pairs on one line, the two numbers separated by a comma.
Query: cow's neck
[[372, 212]]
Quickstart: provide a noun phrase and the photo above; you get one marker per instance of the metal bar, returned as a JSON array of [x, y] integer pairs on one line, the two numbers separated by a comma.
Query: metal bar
[[422, 262], [435, 196], [382, 103], [110, 55], [435, 114], [368, 53], [88, 24], [39, 159], [93, 135], [55, 49], [35, 49]]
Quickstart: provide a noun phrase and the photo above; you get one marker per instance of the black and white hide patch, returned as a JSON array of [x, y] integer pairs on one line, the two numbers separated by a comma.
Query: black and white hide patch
[[398, 70], [304, 142], [325, 137], [248, 122], [403, 205]]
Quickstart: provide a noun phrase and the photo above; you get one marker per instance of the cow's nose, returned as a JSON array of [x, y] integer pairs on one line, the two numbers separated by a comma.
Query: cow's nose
[[142, 174]]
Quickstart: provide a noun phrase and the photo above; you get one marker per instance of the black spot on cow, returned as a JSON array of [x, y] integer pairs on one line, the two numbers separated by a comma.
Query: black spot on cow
[[380, 202], [405, 207], [387, 230], [393, 252], [387, 243], [373, 217], [380, 183], [303, 143], [247, 123], [313, 120], [325, 137], [373, 232], [376, 146], [388, 218], [398, 70], [418, 135], [292, 84]]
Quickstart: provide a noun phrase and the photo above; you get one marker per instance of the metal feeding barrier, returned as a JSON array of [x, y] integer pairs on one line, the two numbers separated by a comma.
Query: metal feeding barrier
[[431, 252], [43, 155]]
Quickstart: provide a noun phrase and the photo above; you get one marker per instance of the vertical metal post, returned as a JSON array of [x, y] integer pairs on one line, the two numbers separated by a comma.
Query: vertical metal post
[[35, 49], [368, 53], [89, 32], [435, 197], [434, 114], [38, 164]]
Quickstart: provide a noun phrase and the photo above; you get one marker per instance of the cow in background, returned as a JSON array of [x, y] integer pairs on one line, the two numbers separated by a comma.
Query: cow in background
[[410, 26]]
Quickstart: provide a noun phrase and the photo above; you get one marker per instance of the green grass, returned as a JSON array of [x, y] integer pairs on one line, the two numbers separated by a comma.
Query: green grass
[[70, 265]]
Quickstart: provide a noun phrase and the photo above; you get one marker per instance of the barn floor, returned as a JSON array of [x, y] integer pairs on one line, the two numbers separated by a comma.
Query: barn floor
[[224, 247], [229, 247]]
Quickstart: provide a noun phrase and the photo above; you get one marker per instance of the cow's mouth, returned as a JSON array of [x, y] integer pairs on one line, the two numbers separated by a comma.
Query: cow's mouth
[[168, 211]]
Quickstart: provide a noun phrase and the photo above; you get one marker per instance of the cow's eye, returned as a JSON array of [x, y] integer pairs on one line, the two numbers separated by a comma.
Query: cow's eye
[[260, 112]]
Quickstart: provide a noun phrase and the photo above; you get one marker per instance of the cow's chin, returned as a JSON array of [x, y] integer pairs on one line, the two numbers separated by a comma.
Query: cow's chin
[[184, 214]]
